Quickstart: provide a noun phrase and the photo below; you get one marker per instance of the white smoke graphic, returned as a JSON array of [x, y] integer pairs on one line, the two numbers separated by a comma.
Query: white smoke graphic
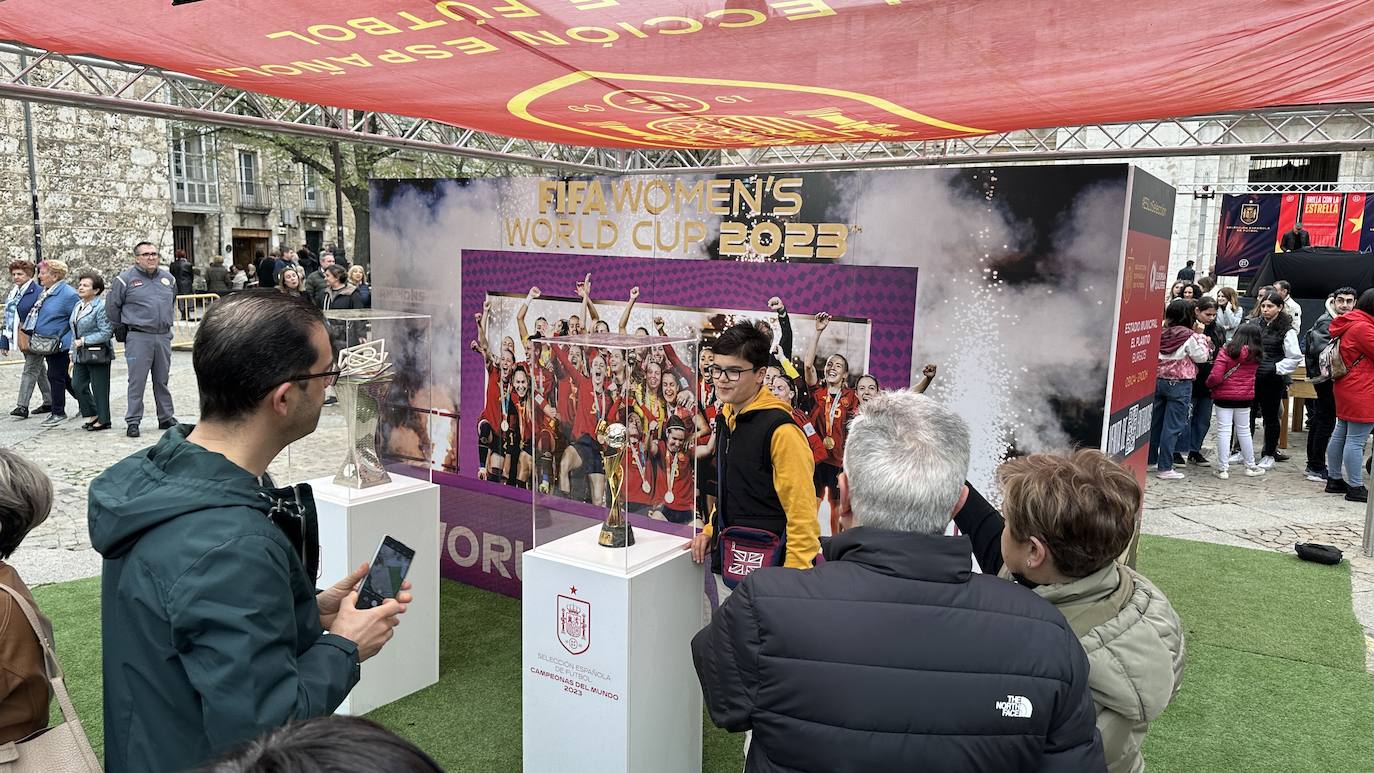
[[1007, 353]]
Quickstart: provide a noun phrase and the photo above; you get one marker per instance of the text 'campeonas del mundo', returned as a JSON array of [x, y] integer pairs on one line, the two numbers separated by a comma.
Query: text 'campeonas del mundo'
[[757, 218]]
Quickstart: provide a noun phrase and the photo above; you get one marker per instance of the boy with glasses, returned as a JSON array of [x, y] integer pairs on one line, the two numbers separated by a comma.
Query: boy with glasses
[[763, 462]]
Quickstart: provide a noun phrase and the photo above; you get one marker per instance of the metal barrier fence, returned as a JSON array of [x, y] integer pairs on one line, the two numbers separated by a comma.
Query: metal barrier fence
[[190, 310]]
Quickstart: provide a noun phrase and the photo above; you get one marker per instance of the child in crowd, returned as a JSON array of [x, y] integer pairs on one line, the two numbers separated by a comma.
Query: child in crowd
[[1067, 518], [1232, 382]]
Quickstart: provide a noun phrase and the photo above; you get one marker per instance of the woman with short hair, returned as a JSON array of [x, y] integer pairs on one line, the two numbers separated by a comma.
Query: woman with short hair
[[93, 351], [50, 333], [21, 299], [25, 501]]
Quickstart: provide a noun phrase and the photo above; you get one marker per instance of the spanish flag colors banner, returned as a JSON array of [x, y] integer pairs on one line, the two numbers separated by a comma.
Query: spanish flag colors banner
[[740, 73]]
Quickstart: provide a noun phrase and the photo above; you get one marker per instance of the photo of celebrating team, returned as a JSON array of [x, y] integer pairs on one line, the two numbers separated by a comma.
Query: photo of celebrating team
[[561, 369]]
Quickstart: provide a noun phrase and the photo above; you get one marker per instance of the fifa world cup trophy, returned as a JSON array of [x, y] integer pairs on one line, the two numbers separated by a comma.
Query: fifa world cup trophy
[[616, 531]]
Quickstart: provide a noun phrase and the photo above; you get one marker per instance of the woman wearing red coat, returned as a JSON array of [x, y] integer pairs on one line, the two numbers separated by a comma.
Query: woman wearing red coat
[[1354, 400]]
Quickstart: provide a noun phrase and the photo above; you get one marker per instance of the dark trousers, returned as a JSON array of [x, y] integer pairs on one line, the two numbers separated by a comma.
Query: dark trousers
[[1322, 415], [1201, 419], [1269, 393], [91, 383], [58, 382]]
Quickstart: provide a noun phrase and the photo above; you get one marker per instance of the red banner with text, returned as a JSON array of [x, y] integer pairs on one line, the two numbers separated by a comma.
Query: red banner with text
[[1135, 351], [738, 73]]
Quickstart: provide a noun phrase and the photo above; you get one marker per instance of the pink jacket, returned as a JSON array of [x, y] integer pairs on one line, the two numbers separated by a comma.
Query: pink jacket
[[1241, 384]]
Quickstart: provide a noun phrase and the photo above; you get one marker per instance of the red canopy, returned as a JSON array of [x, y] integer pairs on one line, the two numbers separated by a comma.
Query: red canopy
[[738, 73]]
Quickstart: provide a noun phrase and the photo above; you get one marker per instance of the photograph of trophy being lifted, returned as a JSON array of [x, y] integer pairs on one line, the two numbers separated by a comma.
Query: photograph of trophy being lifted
[[616, 531]]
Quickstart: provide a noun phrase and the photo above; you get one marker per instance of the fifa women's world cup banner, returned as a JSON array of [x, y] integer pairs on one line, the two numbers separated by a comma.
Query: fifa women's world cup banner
[[1000, 288]]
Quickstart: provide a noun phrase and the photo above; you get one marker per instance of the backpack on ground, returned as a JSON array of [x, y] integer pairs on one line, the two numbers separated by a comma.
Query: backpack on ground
[[1333, 368]]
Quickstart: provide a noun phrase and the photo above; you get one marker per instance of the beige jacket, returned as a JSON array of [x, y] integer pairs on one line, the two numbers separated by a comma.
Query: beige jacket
[[1136, 652]]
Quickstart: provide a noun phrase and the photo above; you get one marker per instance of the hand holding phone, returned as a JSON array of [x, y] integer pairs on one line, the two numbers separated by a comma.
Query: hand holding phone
[[387, 573], [369, 615]]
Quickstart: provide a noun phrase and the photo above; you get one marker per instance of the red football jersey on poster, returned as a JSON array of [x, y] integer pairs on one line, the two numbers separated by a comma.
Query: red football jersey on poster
[[639, 469], [676, 480], [831, 417], [493, 411], [813, 439]]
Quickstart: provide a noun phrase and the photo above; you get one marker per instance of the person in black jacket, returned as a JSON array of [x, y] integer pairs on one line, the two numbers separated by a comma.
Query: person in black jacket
[[1321, 412], [893, 655], [1296, 239]]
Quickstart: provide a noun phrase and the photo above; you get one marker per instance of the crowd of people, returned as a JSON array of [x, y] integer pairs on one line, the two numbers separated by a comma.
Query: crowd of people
[[1213, 358], [66, 331], [220, 654]]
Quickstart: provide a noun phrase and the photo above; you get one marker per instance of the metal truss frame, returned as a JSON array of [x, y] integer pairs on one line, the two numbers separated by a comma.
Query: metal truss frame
[[104, 84]]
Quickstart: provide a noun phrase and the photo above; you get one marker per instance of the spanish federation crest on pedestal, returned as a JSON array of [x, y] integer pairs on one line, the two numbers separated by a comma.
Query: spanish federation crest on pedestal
[[365, 376]]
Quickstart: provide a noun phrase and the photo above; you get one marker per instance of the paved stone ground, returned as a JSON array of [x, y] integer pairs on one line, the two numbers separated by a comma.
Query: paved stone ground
[[1267, 513], [1271, 512], [60, 548]]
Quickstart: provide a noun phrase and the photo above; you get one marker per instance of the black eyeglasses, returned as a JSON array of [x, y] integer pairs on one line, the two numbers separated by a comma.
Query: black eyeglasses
[[332, 375], [146, 255], [731, 374]]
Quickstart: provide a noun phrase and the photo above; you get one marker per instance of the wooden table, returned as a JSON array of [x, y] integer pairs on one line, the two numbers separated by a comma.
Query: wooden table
[[1299, 392]]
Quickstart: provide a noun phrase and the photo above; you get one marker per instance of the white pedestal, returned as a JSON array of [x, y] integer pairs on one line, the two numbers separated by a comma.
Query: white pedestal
[[352, 524], [624, 697]]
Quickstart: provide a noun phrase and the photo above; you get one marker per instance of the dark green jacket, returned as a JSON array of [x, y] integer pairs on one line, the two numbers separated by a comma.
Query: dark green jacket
[[211, 632]]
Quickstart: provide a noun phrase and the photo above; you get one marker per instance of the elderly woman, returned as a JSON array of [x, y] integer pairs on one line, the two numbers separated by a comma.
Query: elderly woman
[[92, 351], [25, 499], [20, 300], [50, 333]]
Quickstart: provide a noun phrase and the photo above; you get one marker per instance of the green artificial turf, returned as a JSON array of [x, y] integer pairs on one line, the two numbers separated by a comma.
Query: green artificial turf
[[1275, 679]]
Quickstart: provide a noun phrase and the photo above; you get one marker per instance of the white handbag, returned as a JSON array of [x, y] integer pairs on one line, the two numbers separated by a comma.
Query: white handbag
[[61, 747]]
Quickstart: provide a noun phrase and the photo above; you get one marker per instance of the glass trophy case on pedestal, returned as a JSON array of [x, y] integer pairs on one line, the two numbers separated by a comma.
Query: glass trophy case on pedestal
[[375, 425], [616, 439]]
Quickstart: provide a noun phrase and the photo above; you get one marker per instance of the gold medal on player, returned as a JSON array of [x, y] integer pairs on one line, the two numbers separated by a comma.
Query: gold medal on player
[[830, 443]]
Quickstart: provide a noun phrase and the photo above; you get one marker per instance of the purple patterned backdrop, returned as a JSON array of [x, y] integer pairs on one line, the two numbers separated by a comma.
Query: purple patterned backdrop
[[486, 512]]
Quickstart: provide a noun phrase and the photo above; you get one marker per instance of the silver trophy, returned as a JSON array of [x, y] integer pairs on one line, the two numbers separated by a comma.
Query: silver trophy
[[365, 377]]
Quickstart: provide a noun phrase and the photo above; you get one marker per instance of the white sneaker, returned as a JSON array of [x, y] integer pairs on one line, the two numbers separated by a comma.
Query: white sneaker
[[1223, 474], [1171, 475], [1234, 457], [1254, 472], [1266, 462]]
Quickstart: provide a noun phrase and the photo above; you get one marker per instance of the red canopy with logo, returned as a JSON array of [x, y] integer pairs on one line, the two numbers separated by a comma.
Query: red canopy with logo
[[738, 73]]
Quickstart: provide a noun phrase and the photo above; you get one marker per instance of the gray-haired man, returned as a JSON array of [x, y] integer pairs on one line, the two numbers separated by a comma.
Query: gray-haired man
[[893, 655], [140, 307]]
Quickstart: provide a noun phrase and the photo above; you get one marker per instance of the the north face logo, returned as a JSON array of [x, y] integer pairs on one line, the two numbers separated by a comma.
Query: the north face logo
[[1017, 706]]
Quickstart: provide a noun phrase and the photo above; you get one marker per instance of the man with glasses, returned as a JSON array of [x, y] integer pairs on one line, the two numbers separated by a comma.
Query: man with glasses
[[764, 464], [140, 308], [213, 632]]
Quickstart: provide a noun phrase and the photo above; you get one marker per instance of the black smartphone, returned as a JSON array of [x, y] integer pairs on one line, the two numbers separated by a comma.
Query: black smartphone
[[388, 571]]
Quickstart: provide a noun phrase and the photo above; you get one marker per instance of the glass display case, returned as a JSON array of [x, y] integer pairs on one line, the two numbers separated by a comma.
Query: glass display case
[[611, 427], [375, 426]]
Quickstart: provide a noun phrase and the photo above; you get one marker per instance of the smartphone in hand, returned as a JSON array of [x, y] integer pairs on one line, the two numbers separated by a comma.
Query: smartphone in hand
[[386, 574]]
